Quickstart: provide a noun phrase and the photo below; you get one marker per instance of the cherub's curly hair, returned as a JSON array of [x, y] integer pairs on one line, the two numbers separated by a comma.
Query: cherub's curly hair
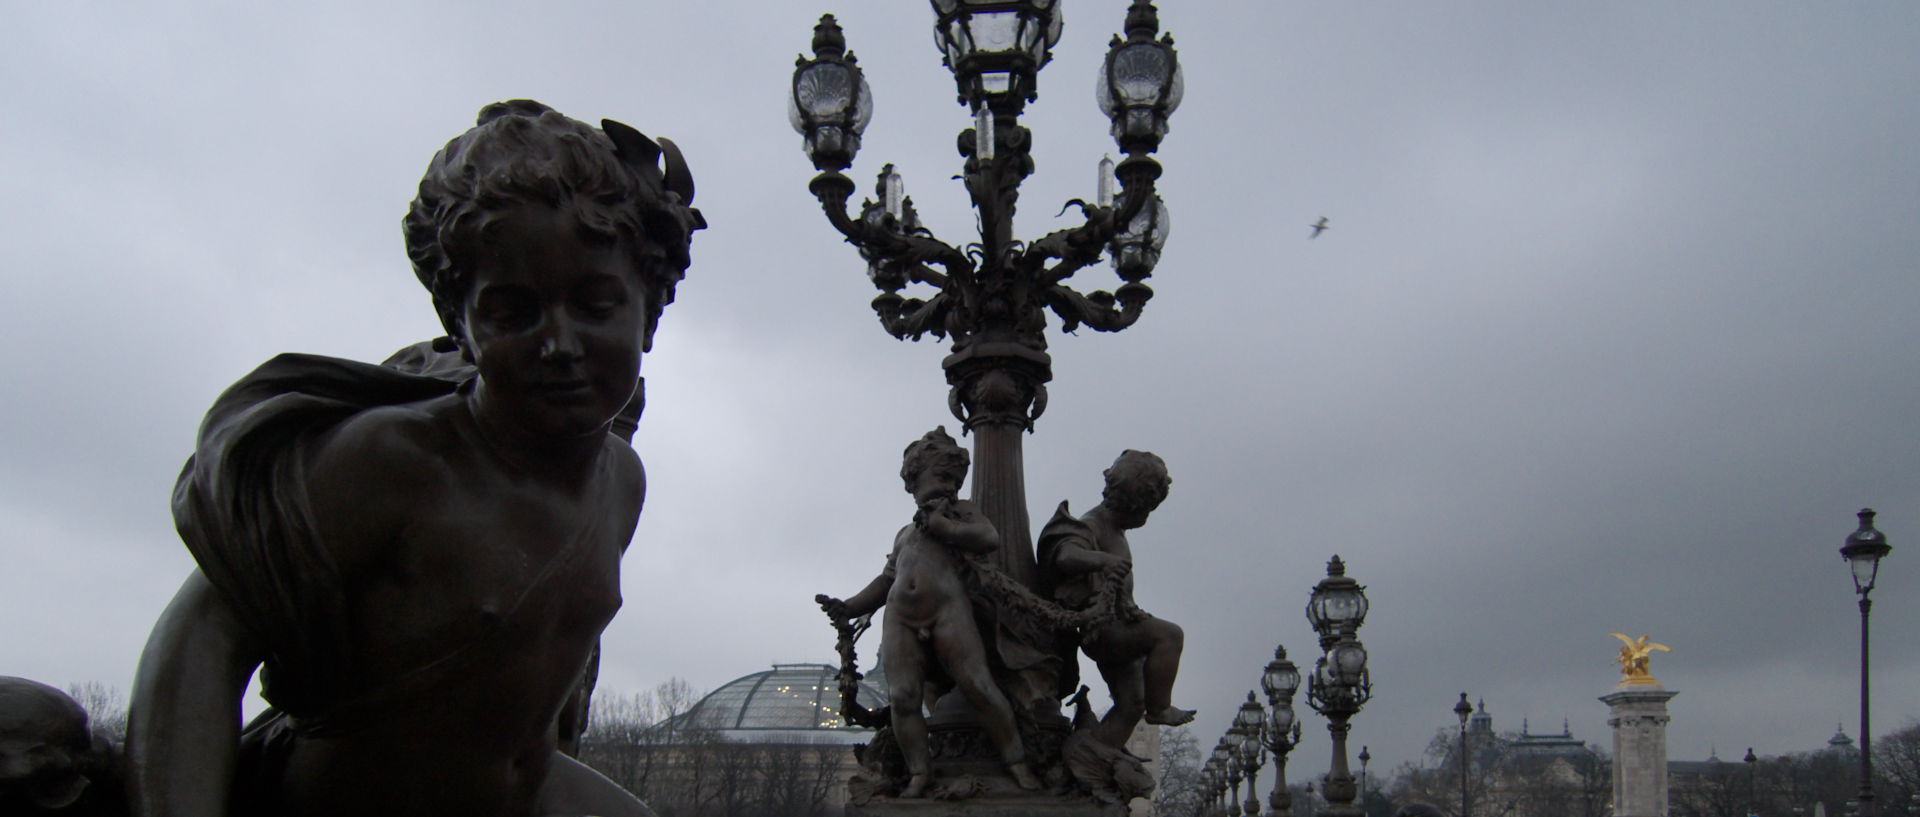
[[607, 178], [1137, 480], [934, 450]]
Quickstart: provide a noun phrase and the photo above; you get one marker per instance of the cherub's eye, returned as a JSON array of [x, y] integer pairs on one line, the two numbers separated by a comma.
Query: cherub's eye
[[507, 309], [600, 299]]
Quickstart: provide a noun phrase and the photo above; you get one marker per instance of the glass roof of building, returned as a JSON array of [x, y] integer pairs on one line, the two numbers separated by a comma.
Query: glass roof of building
[[787, 697]]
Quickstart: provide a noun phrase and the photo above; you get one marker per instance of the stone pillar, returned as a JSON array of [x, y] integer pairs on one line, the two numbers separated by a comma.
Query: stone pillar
[[1638, 715]]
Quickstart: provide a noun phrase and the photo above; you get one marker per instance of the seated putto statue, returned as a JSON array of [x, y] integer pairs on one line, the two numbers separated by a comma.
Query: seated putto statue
[[1079, 558], [421, 558]]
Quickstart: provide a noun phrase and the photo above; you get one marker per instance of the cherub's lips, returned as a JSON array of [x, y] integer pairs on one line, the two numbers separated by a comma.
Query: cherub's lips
[[562, 386]]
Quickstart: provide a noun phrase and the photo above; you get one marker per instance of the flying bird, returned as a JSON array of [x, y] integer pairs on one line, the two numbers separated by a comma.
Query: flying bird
[[1318, 227]]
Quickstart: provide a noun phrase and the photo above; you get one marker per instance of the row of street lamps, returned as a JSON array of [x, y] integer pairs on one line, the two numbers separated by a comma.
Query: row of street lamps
[[1337, 688]]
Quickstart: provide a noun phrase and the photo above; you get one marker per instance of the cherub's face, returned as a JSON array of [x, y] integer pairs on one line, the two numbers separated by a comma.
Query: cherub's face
[[1130, 506], [935, 482], [554, 321]]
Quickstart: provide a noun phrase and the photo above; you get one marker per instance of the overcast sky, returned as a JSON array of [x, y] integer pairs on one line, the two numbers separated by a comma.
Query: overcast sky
[[1614, 329]]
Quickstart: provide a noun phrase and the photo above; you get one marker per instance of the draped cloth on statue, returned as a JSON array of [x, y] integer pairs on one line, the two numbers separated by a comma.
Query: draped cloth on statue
[[1071, 592], [241, 506]]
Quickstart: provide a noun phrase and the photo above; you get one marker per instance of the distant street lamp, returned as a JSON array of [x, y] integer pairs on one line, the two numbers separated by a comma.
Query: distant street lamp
[[1247, 722], [1364, 757], [1229, 770], [1863, 551], [1206, 786], [1750, 760], [1464, 710], [1281, 732], [1235, 744], [1340, 684]]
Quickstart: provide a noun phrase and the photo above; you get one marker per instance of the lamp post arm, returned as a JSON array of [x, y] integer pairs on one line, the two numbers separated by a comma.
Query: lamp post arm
[[1075, 247], [923, 274], [1096, 311], [913, 249], [910, 318]]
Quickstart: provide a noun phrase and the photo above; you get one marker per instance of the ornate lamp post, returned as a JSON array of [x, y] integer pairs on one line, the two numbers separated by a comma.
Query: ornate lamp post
[[1210, 786], [1863, 551], [1339, 685], [1282, 731], [1224, 754], [1252, 754], [1464, 711], [991, 298]]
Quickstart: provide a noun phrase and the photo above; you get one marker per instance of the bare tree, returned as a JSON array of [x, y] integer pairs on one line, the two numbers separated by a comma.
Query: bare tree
[[1896, 757], [106, 708], [616, 738], [1176, 790], [1438, 779]]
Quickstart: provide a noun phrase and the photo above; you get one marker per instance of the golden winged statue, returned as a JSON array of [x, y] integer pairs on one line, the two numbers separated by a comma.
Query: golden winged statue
[[1633, 660]]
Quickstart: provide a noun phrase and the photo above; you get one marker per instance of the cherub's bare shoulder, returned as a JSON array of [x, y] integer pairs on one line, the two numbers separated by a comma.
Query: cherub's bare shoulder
[[398, 440], [370, 472], [627, 467], [629, 476]]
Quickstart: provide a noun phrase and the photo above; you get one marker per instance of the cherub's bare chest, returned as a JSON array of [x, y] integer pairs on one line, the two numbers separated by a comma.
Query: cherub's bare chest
[[545, 570]]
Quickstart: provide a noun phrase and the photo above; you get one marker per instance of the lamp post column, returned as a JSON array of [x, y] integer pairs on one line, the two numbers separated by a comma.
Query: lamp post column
[[1340, 684], [1463, 710], [1863, 550], [1281, 732], [1248, 722], [1364, 757]]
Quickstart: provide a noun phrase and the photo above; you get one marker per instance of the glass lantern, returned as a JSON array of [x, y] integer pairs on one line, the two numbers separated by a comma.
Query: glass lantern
[[1141, 82], [1338, 604], [830, 103], [995, 48]]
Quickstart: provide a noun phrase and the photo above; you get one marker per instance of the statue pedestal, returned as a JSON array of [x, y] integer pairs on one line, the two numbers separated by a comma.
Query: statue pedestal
[[969, 780], [1638, 715], [1039, 805]]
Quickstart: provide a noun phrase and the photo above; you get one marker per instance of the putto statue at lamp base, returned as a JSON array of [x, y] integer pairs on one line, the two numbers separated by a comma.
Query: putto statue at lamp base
[[950, 733]]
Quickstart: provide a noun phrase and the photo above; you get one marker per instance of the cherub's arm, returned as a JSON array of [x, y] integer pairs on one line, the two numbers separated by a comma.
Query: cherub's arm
[[1075, 555], [183, 727], [871, 597]]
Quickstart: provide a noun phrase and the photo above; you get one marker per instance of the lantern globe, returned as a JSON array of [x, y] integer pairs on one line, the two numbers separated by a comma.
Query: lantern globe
[[830, 103], [1863, 551]]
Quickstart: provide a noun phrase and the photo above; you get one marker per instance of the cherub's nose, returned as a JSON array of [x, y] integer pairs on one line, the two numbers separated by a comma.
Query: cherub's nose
[[562, 342]]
